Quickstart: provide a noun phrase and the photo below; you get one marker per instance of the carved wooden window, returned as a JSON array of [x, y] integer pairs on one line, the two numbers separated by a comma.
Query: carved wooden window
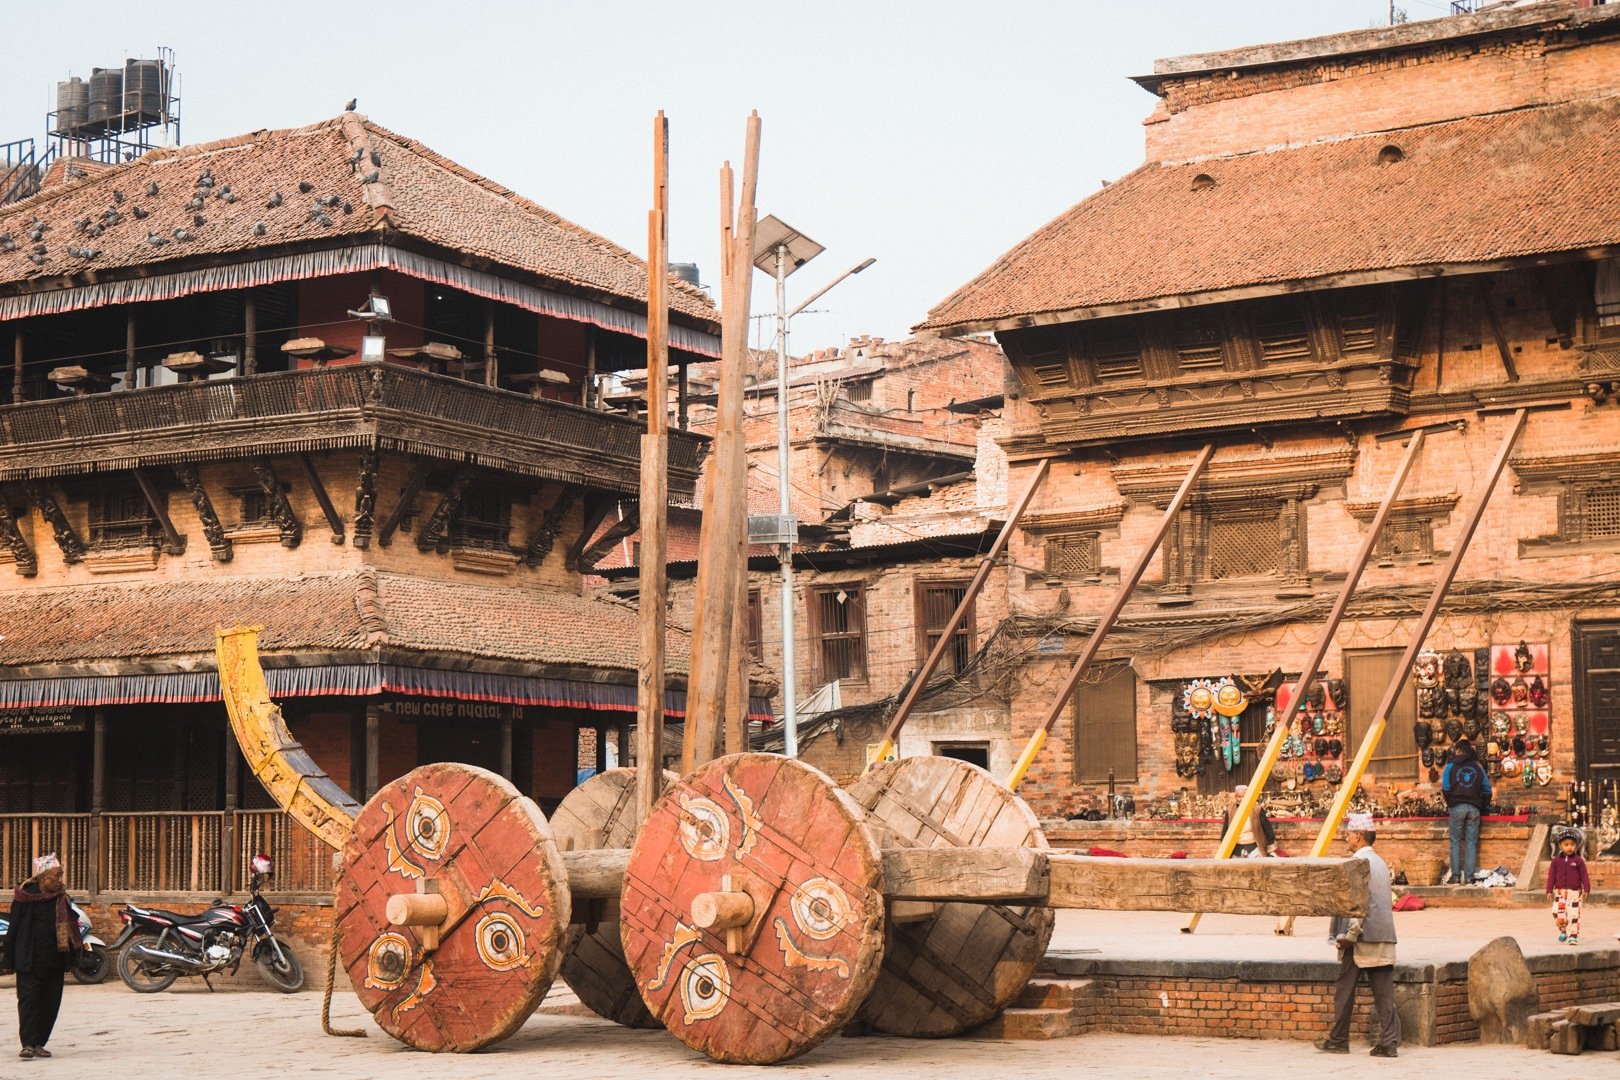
[[1606, 294], [1231, 539], [838, 624], [253, 506], [1358, 313], [1073, 555], [483, 520], [1105, 726], [937, 601], [1197, 340], [1590, 512], [1116, 349], [1242, 544], [859, 391], [121, 519], [1282, 331]]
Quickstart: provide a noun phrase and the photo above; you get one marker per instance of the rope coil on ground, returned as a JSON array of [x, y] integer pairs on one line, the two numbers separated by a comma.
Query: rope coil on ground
[[326, 995]]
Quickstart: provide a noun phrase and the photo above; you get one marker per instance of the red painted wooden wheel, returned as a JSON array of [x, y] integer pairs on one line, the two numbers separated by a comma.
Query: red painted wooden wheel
[[470, 836], [601, 813], [782, 833], [958, 969]]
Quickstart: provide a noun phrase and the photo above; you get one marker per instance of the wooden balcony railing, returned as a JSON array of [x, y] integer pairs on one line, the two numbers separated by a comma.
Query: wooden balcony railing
[[402, 408], [162, 852], [25, 837], [303, 864]]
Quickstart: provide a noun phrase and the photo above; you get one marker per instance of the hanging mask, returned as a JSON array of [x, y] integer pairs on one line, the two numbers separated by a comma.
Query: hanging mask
[[1317, 696], [1500, 724], [1457, 670], [1199, 698], [1431, 702], [1434, 775], [1522, 659], [1334, 774], [1427, 756], [1454, 729], [1501, 691], [1229, 700], [1335, 689], [1423, 734], [1470, 728], [1426, 669], [1538, 693], [1521, 693], [1318, 723]]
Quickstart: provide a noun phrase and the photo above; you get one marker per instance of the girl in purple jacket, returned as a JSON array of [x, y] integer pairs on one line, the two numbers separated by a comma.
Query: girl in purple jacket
[[1568, 883]]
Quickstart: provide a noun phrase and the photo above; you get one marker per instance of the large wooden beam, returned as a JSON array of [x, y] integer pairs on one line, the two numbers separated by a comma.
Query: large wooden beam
[[653, 511], [173, 542], [625, 526], [1229, 886], [596, 873], [965, 873], [333, 520], [407, 502]]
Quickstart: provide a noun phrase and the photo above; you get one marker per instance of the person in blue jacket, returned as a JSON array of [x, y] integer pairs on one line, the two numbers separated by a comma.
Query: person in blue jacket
[[1467, 788]]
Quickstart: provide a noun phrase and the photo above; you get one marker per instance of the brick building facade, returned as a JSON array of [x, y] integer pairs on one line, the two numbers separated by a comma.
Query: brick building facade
[[1331, 243]]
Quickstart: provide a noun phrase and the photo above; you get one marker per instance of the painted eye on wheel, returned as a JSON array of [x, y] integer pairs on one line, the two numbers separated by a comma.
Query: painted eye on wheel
[[427, 825], [705, 987], [820, 908], [500, 942], [388, 961], [705, 829]]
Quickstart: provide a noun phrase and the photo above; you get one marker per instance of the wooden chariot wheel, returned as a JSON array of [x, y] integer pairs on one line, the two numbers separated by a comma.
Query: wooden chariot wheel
[[451, 908], [952, 966], [752, 912], [601, 813]]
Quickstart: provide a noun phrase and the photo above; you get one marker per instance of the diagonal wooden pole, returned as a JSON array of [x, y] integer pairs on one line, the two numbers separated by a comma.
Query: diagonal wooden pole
[[1106, 623], [654, 491], [919, 680], [1324, 640], [1403, 669]]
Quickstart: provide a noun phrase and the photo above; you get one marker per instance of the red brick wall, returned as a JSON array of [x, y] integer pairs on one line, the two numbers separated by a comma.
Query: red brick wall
[[396, 748], [329, 738]]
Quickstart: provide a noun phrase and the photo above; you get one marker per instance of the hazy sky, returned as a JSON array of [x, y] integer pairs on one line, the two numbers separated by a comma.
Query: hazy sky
[[932, 135]]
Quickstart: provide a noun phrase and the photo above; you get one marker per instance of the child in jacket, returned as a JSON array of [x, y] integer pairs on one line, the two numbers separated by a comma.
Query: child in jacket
[[1568, 884]]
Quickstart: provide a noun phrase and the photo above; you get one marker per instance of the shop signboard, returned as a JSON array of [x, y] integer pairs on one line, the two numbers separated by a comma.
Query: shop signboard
[[40, 721]]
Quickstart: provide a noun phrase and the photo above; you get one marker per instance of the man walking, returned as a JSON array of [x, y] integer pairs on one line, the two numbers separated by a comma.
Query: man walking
[[1467, 788], [1365, 945], [43, 940]]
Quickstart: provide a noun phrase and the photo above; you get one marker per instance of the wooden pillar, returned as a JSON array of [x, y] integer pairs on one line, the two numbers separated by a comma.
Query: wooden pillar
[[588, 397], [129, 349], [681, 390], [17, 367], [506, 742], [373, 730], [250, 335], [601, 748], [98, 794], [492, 375], [627, 755], [233, 799]]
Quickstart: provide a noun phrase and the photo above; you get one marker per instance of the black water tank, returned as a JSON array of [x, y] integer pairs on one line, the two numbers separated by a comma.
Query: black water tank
[[106, 95], [72, 104], [144, 86], [687, 272]]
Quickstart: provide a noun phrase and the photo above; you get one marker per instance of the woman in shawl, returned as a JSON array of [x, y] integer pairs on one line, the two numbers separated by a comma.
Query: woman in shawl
[[43, 941]]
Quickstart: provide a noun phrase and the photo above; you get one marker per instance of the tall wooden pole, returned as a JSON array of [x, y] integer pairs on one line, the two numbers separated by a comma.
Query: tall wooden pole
[[250, 335], [915, 688], [1403, 667], [491, 373], [1324, 640], [1109, 617], [17, 367], [723, 542], [654, 491]]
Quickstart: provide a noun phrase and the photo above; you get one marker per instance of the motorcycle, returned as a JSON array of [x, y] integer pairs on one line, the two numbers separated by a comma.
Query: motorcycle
[[91, 966], [160, 946]]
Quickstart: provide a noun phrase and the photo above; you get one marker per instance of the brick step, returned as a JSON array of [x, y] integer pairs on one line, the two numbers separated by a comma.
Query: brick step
[[1029, 1024], [1054, 994]]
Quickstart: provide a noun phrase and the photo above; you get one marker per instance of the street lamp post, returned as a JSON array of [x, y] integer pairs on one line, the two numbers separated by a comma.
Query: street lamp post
[[779, 250]]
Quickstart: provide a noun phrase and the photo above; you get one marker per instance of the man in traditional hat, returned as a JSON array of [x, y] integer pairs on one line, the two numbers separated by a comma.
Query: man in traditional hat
[[1365, 945], [43, 942]]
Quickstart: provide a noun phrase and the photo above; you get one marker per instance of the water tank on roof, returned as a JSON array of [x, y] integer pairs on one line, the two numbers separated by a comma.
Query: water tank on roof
[[72, 104], [687, 272], [145, 84], [106, 94]]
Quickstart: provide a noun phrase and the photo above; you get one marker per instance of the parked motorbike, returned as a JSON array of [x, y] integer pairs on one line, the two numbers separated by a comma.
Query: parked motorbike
[[160, 946], [91, 966]]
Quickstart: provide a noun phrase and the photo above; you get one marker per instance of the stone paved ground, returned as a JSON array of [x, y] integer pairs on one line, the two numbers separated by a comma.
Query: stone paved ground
[[248, 1033]]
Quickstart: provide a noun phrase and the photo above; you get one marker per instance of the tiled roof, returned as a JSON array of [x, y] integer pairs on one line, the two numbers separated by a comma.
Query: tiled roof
[[1471, 191], [416, 193], [351, 610]]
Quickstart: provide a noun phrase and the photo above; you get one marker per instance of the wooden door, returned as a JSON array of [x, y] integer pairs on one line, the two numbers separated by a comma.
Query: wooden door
[[1597, 701], [1367, 673]]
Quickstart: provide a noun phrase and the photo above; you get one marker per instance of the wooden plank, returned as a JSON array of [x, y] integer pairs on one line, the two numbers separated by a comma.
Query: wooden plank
[[977, 875], [1595, 1015], [1228, 886], [1534, 856], [1566, 1038], [1504, 348]]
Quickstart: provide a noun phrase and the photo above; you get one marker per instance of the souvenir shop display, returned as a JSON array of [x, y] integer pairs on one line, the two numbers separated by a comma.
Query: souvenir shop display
[[1206, 723], [1498, 697], [1314, 750]]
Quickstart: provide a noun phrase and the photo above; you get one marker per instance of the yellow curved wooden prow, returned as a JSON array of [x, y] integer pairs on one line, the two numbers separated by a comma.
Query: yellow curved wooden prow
[[279, 761]]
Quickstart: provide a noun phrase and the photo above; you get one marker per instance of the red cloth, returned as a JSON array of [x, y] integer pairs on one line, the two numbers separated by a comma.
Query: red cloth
[[1107, 853], [1410, 902]]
